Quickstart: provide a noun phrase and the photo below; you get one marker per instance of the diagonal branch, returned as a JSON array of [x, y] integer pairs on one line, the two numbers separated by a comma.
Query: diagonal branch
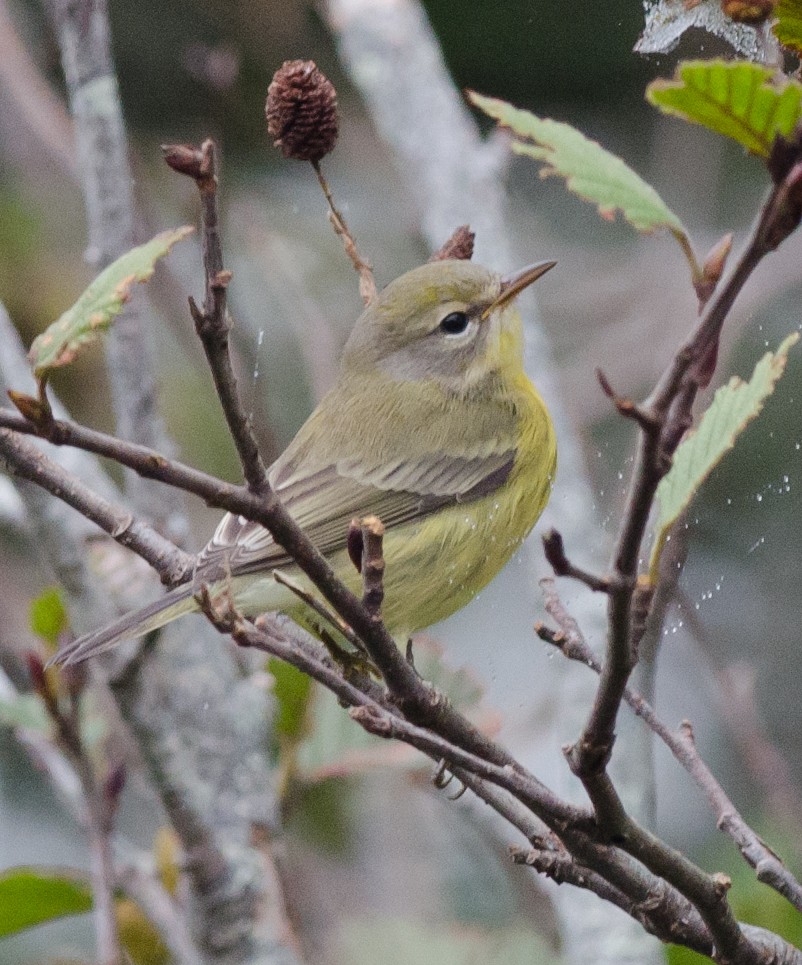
[[22, 458], [668, 411], [212, 322], [768, 865]]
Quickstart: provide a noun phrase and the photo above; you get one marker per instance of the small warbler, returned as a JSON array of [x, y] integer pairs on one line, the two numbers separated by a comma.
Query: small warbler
[[432, 426]]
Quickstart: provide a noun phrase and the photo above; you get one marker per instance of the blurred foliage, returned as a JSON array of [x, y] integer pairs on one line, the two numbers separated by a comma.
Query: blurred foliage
[[31, 896], [399, 941], [291, 689], [48, 615]]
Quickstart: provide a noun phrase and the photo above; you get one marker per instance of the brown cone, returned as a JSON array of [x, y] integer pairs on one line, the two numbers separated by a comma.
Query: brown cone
[[301, 111]]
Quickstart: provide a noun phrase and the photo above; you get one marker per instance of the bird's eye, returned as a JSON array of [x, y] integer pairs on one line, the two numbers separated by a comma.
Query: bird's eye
[[455, 323]]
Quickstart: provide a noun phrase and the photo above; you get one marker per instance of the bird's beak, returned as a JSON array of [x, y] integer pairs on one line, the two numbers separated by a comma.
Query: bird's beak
[[514, 284]]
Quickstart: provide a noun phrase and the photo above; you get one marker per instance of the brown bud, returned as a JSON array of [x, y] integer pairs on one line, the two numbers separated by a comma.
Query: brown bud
[[355, 544], [301, 111], [183, 158], [748, 11], [712, 270], [459, 245]]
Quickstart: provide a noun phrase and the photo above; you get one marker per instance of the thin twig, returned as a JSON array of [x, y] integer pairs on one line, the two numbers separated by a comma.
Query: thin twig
[[669, 407], [316, 604], [554, 550], [24, 459], [768, 865], [372, 566], [367, 283], [212, 323], [131, 873]]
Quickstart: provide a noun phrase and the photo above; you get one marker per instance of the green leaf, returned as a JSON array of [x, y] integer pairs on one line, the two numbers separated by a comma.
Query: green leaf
[[733, 407], [590, 171], [33, 896], [99, 304], [788, 26], [291, 689], [741, 100], [48, 615]]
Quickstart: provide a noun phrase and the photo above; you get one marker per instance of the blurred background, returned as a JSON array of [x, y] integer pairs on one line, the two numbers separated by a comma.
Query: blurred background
[[617, 301]]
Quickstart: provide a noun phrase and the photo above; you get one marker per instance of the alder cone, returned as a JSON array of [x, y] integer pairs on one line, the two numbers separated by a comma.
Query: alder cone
[[301, 110]]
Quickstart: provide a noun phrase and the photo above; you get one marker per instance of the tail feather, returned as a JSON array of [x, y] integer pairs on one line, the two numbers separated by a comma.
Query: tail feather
[[134, 624]]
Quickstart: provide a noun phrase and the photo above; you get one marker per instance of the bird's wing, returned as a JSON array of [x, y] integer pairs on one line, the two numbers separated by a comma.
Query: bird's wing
[[325, 500]]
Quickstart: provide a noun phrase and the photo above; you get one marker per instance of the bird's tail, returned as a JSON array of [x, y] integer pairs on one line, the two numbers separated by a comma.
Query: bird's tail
[[134, 624]]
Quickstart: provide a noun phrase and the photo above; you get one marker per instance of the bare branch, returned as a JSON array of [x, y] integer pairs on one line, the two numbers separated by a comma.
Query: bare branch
[[669, 405], [768, 865], [372, 568], [212, 323], [554, 550], [24, 459]]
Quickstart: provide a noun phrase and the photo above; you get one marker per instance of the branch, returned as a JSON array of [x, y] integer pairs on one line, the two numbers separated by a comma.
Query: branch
[[768, 865], [662, 916], [554, 550], [418, 700], [666, 415], [23, 459], [212, 323]]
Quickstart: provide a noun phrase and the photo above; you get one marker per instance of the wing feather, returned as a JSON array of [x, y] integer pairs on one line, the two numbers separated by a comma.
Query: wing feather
[[324, 501]]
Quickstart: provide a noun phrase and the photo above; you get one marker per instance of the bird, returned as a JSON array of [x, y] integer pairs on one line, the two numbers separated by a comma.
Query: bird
[[432, 426]]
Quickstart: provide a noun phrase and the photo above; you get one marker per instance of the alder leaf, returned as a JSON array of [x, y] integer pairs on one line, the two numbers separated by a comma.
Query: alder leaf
[[788, 25], [733, 407], [746, 102], [590, 171], [97, 307]]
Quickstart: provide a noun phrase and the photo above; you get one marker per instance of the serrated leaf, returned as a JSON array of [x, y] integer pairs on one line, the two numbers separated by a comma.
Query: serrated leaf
[[743, 101], [788, 25], [590, 171], [48, 615], [733, 407], [99, 304], [33, 896]]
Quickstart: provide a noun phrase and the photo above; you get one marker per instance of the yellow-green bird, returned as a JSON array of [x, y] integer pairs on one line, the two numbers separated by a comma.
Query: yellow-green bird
[[433, 426]]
